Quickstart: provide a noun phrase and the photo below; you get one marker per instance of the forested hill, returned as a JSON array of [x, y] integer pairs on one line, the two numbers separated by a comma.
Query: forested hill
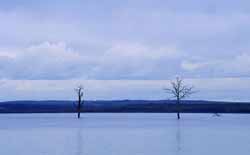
[[190, 106]]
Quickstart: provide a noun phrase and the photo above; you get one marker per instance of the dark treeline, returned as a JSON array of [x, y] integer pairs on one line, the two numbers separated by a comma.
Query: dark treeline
[[119, 106]]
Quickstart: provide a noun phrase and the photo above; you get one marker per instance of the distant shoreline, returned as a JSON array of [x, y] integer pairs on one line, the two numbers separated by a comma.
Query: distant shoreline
[[125, 106]]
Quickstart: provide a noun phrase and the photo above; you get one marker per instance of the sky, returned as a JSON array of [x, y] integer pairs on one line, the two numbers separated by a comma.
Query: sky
[[127, 49]]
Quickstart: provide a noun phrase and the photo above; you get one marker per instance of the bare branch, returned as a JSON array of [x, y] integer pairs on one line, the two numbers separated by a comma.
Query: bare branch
[[79, 90], [179, 90]]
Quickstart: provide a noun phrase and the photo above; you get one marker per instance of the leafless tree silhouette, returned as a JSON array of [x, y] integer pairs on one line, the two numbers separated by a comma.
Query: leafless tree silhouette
[[79, 91], [179, 91]]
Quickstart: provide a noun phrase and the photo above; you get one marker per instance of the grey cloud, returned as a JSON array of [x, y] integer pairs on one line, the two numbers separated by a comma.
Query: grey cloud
[[57, 61], [212, 31], [45, 61], [120, 61], [237, 66]]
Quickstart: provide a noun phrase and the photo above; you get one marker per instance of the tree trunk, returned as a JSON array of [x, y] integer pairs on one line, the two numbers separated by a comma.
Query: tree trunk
[[79, 107], [79, 114], [178, 108]]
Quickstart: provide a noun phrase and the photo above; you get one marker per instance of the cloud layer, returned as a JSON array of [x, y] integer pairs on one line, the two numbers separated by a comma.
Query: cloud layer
[[55, 61], [124, 40]]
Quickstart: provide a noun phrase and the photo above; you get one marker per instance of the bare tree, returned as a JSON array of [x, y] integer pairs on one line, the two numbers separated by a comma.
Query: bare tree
[[79, 91], [179, 91]]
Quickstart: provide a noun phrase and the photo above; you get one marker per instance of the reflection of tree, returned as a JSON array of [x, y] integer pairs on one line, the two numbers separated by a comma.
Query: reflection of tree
[[79, 142], [178, 138]]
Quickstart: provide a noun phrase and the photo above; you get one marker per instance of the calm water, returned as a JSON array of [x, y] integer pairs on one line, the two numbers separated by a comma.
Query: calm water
[[124, 134]]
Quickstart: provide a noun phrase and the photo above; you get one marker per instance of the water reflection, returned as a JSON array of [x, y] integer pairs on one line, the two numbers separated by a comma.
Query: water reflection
[[178, 138], [79, 142]]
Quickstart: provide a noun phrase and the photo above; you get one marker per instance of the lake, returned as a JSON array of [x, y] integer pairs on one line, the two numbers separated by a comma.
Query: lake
[[124, 134]]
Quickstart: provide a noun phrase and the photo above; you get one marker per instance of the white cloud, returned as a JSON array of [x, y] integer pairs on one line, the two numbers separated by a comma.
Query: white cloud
[[45, 61], [7, 55], [128, 50], [192, 66], [126, 60], [56, 60], [238, 65]]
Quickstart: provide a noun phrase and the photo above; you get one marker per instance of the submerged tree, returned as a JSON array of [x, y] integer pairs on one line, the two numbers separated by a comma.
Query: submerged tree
[[179, 91], [79, 91], [216, 114]]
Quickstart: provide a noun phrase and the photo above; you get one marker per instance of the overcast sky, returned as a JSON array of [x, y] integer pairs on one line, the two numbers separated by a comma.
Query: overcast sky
[[124, 49]]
